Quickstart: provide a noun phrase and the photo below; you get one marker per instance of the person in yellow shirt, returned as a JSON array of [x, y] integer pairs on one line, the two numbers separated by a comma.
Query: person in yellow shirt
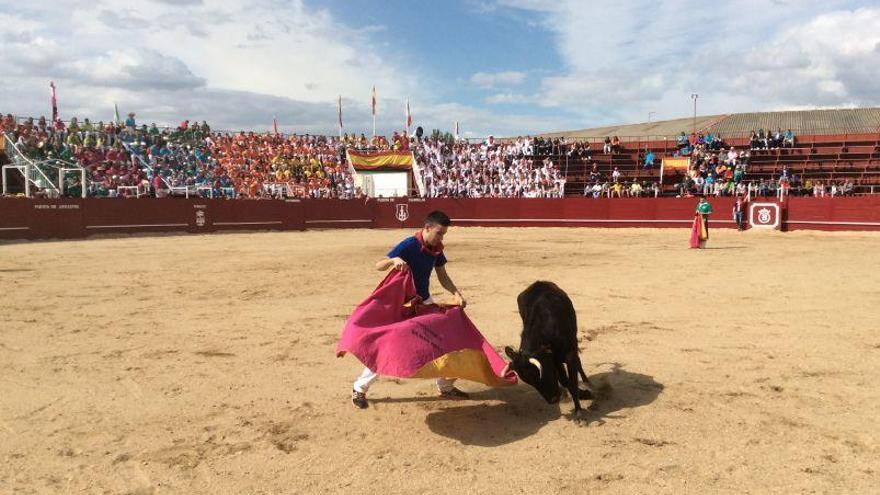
[[617, 189]]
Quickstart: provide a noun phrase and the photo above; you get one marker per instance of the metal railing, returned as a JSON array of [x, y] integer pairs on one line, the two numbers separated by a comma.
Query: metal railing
[[32, 171], [145, 166]]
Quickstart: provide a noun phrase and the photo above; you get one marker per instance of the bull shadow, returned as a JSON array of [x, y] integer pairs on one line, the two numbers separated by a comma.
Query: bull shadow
[[522, 411], [619, 389], [520, 414]]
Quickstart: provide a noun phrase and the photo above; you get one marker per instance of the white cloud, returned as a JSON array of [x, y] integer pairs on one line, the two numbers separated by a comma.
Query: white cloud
[[237, 65], [220, 60], [508, 98], [492, 79], [623, 60]]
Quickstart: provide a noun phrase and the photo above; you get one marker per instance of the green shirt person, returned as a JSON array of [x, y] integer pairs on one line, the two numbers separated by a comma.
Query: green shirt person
[[703, 207]]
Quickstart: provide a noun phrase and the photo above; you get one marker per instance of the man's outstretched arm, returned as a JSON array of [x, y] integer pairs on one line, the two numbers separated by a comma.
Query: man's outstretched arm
[[449, 285]]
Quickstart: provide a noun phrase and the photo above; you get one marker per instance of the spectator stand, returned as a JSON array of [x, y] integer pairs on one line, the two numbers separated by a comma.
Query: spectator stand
[[35, 174], [149, 170]]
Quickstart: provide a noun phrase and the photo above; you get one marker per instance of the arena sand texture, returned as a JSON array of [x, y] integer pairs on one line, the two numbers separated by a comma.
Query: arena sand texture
[[205, 364]]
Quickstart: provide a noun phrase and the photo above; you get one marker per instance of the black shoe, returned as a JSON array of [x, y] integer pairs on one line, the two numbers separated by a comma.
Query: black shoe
[[454, 393], [359, 399]]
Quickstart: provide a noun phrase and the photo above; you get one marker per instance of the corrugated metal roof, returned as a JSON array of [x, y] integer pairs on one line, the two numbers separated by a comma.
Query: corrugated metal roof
[[834, 121]]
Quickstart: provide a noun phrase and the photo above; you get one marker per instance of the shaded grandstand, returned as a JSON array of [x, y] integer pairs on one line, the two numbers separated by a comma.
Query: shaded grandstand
[[831, 146], [802, 122]]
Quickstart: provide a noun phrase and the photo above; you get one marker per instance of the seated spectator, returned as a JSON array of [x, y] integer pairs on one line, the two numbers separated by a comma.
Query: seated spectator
[[615, 145], [788, 139], [732, 157], [635, 190], [777, 139], [682, 140], [754, 142]]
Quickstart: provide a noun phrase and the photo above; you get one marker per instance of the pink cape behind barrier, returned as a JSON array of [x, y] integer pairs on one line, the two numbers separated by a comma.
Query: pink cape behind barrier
[[393, 334]]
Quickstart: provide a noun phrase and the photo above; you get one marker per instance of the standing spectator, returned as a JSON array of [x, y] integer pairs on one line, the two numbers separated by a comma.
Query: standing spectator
[[606, 148], [649, 159], [615, 175], [130, 124], [739, 214]]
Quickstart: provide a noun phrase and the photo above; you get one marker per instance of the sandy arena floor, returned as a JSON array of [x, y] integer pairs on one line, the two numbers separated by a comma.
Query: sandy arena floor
[[205, 364]]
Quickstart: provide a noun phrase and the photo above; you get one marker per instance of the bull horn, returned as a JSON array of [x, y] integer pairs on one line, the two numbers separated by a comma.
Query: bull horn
[[537, 365], [505, 370]]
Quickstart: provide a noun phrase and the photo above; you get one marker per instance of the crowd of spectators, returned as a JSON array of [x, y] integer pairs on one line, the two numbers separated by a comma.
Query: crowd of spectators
[[124, 159], [488, 170], [127, 160], [766, 140]]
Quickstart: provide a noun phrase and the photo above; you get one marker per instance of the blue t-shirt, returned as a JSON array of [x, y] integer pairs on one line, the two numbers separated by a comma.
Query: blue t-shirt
[[420, 262]]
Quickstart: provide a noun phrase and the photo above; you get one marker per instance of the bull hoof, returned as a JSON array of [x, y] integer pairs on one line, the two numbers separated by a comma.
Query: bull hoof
[[585, 394], [579, 417]]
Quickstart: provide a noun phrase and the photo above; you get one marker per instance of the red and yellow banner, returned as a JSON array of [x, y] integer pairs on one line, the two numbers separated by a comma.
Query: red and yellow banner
[[677, 163], [380, 160]]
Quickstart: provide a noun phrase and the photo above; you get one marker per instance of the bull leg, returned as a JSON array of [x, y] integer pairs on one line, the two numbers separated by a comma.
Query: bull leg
[[588, 393], [562, 374], [572, 363]]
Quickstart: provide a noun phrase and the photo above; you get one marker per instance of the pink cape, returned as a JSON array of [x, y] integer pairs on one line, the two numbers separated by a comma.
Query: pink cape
[[393, 334], [698, 232], [695, 233]]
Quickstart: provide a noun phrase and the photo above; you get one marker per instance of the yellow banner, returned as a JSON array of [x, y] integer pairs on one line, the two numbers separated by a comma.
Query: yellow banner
[[677, 163], [393, 160]]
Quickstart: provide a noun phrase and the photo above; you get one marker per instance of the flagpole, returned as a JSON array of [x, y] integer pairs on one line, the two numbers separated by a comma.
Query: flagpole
[[339, 114], [373, 103], [54, 103]]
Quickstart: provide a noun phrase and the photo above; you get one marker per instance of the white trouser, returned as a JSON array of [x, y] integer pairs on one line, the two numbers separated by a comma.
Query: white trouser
[[363, 382]]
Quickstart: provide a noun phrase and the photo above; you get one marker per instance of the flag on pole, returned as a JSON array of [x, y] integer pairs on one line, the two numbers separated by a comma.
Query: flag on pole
[[116, 120], [373, 104], [275, 123], [408, 117], [54, 103], [339, 113]]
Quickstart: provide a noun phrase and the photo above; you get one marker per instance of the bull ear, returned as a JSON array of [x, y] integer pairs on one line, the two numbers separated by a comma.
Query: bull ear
[[510, 352]]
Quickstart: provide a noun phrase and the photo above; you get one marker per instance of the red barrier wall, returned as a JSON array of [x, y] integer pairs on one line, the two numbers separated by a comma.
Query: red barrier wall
[[850, 213], [77, 218]]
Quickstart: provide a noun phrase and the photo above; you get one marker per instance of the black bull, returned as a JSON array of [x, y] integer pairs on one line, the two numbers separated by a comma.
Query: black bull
[[548, 350]]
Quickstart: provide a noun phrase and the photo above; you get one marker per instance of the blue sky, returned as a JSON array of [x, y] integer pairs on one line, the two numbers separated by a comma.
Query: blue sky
[[502, 67]]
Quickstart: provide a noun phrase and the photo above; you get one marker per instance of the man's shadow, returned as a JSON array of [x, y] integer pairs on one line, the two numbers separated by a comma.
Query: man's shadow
[[522, 411]]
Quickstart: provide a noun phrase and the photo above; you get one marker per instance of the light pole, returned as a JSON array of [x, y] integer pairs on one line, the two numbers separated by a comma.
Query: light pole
[[649, 116], [694, 97]]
